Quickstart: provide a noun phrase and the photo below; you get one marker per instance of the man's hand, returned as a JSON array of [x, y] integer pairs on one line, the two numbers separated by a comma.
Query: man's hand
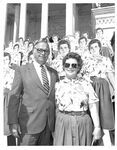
[[15, 130]]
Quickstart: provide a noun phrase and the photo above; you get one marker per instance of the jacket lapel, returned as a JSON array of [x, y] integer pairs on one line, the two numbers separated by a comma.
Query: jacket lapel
[[36, 79]]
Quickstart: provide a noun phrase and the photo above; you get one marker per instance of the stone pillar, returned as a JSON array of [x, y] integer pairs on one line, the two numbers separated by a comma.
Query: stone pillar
[[16, 23], [70, 18], [44, 20], [3, 23], [22, 25]]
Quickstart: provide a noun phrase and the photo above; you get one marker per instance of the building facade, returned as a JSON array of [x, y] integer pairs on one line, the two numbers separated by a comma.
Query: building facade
[[35, 20]]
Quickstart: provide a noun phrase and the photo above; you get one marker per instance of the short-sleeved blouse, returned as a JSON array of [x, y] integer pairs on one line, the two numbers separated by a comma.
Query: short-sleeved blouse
[[74, 95], [97, 66]]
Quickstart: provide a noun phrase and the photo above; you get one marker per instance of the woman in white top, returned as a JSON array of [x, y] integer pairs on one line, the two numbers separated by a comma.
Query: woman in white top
[[74, 96]]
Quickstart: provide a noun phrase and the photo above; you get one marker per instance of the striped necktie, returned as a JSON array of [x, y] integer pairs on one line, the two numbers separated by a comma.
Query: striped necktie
[[45, 79]]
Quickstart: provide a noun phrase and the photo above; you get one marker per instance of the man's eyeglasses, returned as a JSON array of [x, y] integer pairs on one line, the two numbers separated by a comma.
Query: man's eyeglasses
[[74, 66], [42, 50]]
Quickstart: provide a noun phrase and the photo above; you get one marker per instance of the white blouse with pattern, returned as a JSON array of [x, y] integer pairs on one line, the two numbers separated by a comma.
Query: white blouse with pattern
[[74, 95]]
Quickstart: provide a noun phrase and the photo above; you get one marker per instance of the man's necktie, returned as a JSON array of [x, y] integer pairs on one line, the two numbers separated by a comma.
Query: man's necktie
[[45, 79]]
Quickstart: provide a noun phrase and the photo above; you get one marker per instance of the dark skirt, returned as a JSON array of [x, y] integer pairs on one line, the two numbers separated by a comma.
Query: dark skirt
[[106, 112], [73, 130]]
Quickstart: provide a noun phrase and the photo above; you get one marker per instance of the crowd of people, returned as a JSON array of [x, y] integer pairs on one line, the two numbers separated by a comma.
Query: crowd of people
[[73, 104]]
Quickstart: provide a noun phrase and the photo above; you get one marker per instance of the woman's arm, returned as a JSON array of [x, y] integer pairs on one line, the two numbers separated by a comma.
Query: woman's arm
[[93, 107]]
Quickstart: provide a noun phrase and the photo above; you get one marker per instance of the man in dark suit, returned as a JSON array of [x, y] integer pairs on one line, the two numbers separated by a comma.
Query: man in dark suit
[[32, 119]]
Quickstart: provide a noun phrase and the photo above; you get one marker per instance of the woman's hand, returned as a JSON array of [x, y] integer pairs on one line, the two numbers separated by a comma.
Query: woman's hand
[[97, 133]]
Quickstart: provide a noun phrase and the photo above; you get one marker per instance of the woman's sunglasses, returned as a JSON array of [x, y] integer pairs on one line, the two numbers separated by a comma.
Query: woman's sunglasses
[[67, 65]]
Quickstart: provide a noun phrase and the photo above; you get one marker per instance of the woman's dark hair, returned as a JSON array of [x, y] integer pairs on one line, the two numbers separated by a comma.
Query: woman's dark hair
[[31, 43], [94, 41], [74, 56], [63, 42], [7, 54], [83, 37], [16, 45]]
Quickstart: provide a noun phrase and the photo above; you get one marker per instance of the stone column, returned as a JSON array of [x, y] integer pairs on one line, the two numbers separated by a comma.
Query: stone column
[[22, 25], [3, 23], [70, 18], [16, 23], [44, 20]]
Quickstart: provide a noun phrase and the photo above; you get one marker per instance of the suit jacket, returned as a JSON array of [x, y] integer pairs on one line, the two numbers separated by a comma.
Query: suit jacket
[[36, 108]]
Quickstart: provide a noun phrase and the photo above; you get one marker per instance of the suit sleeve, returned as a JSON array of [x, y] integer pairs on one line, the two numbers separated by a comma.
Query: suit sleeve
[[14, 98]]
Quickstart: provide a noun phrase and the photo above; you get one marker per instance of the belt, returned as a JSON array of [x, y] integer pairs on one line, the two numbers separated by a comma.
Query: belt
[[74, 113]]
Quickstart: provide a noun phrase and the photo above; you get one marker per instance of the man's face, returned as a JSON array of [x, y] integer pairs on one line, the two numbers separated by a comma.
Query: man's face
[[94, 49], [99, 34], [64, 49], [41, 52]]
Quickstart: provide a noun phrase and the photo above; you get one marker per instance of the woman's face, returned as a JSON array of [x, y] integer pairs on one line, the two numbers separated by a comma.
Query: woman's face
[[95, 49], [64, 49], [71, 68], [83, 43], [6, 60], [55, 38]]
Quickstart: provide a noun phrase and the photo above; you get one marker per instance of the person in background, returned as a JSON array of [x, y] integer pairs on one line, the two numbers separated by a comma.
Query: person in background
[[103, 40], [54, 45], [9, 49], [101, 72], [76, 36], [72, 41], [8, 74], [83, 48], [32, 119], [74, 96], [30, 57], [86, 34], [30, 46], [21, 43], [16, 56], [63, 49]]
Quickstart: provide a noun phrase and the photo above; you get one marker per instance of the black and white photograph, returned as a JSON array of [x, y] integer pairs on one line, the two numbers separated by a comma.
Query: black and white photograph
[[57, 73]]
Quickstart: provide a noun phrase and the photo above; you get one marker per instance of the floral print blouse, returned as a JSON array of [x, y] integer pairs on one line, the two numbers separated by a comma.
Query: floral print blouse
[[74, 95], [96, 66]]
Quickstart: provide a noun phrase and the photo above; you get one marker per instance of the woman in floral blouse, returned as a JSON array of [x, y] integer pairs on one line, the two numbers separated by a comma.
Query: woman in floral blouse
[[63, 49], [74, 96], [101, 71]]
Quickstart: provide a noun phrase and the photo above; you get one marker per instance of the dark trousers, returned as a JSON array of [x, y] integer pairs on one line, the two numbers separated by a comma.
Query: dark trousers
[[42, 138]]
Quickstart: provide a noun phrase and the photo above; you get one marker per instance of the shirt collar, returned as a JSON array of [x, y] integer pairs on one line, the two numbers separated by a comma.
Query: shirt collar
[[37, 64]]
